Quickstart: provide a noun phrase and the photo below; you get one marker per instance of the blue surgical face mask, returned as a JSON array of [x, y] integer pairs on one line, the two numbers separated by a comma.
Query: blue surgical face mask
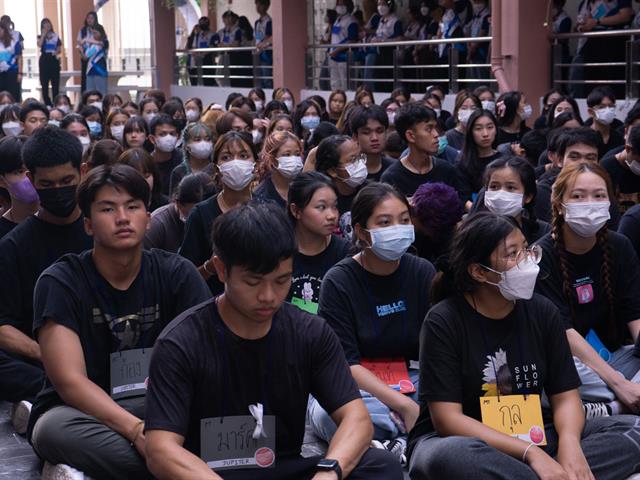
[[443, 143], [310, 122], [95, 128], [391, 243]]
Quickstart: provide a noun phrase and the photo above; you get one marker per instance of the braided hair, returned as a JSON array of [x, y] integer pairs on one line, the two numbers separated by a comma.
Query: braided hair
[[566, 178]]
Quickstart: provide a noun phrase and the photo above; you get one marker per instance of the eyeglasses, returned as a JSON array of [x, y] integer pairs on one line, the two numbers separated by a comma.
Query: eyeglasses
[[533, 253]]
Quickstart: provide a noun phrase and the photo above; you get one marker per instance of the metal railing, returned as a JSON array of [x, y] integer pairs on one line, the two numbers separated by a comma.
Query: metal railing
[[455, 73], [572, 74], [222, 66]]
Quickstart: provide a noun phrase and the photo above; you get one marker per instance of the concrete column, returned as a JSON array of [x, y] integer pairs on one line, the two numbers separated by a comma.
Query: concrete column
[[526, 48], [289, 44], [163, 48]]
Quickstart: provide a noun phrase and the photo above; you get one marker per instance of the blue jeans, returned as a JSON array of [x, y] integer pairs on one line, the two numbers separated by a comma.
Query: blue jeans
[[384, 428]]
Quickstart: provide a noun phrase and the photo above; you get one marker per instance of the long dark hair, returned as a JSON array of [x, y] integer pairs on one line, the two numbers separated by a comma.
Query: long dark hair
[[6, 33], [470, 161], [303, 187], [474, 242], [511, 102]]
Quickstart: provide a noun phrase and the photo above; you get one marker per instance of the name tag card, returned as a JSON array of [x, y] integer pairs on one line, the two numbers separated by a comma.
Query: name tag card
[[392, 371], [130, 373], [227, 442], [515, 416]]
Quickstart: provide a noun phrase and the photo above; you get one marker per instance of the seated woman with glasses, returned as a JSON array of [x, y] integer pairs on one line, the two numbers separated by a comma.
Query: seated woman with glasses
[[339, 157], [488, 351]]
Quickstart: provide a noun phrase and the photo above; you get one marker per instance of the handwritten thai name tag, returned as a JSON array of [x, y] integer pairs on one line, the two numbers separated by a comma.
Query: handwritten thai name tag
[[130, 373], [228, 443], [392, 371], [515, 416]]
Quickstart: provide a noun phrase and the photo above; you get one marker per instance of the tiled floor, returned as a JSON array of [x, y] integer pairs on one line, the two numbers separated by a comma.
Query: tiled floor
[[17, 460]]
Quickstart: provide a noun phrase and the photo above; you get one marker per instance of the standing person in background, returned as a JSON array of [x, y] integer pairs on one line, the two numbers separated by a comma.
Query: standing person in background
[[10, 61], [263, 32], [85, 34], [18, 38], [95, 51], [243, 58], [389, 30], [49, 64], [230, 36], [345, 30], [202, 37], [478, 26]]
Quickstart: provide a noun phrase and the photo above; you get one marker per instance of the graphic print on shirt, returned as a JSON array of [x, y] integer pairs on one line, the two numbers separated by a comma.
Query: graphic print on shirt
[[306, 290], [584, 290], [523, 378], [127, 330]]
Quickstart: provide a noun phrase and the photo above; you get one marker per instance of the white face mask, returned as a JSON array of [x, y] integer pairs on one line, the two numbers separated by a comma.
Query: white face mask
[[634, 166], [478, 7], [503, 202], [259, 105], [526, 113], [392, 118], [192, 115], [519, 281], [55, 123], [289, 105], [201, 149], [489, 105], [148, 117], [290, 166], [85, 141], [357, 173], [390, 243], [586, 218], [117, 132], [383, 10], [424, 11], [166, 144], [98, 105], [256, 135], [463, 116], [438, 112], [237, 174], [65, 108], [11, 128], [606, 115], [341, 10]]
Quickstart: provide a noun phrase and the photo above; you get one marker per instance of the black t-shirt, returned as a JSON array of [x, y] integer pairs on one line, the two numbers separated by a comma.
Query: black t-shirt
[[266, 191], [165, 169], [166, 230], [6, 226], [200, 369], [589, 298], [24, 254], [630, 227], [408, 182], [461, 351], [508, 137], [616, 139], [626, 183], [386, 163], [470, 182], [196, 245], [72, 293], [377, 316], [309, 271]]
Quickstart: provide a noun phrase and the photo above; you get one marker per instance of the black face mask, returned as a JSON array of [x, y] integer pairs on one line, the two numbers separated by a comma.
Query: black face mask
[[204, 26], [180, 123], [60, 202]]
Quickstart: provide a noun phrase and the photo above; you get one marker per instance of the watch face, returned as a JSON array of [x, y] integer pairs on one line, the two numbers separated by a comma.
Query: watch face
[[325, 463]]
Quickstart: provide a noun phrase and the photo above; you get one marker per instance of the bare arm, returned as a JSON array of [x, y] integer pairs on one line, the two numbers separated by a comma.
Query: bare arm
[[353, 436], [168, 459], [396, 401], [63, 360], [15, 341]]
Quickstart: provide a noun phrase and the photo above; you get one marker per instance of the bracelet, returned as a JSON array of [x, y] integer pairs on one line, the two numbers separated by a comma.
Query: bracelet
[[204, 267], [526, 450], [137, 430]]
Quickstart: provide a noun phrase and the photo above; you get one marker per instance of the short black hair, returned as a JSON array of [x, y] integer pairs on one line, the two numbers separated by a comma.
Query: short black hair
[[368, 198], [361, 115], [534, 143], [574, 136], [598, 94], [118, 176], [160, 120], [31, 107], [256, 236], [328, 154], [11, 153], [104, 152], [50, 147], [633, 139], [409, 115], [194, 188], [302, 189], [232, 96], [632, 116]]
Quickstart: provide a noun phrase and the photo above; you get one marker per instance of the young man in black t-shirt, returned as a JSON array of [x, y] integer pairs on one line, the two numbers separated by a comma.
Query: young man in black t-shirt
[[230, 379], [417, 125], [96, 317], [369, 126], [52, 158]]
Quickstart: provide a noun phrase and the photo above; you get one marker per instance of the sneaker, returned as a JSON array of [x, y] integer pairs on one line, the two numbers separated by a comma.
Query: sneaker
[[20, 412], [61, 472], [596, 409], [398, 448]]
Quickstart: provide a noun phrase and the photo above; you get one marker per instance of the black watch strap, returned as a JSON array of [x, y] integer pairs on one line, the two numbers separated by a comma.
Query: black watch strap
[[328, 464]]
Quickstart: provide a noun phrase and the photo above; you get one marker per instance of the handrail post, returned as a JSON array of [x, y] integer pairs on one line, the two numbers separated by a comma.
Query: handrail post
[[556, 58], [257, 72], [349, 64], [396, 67], [628, 69], [226, 71], [453, 68], [199, 59]]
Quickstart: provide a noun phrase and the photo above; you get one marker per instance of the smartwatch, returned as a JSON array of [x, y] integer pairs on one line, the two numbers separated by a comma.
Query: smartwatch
[[330, 465]]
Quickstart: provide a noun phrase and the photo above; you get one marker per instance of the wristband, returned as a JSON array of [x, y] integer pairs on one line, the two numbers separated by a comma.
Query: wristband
[[526, 450], [136, 429]]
